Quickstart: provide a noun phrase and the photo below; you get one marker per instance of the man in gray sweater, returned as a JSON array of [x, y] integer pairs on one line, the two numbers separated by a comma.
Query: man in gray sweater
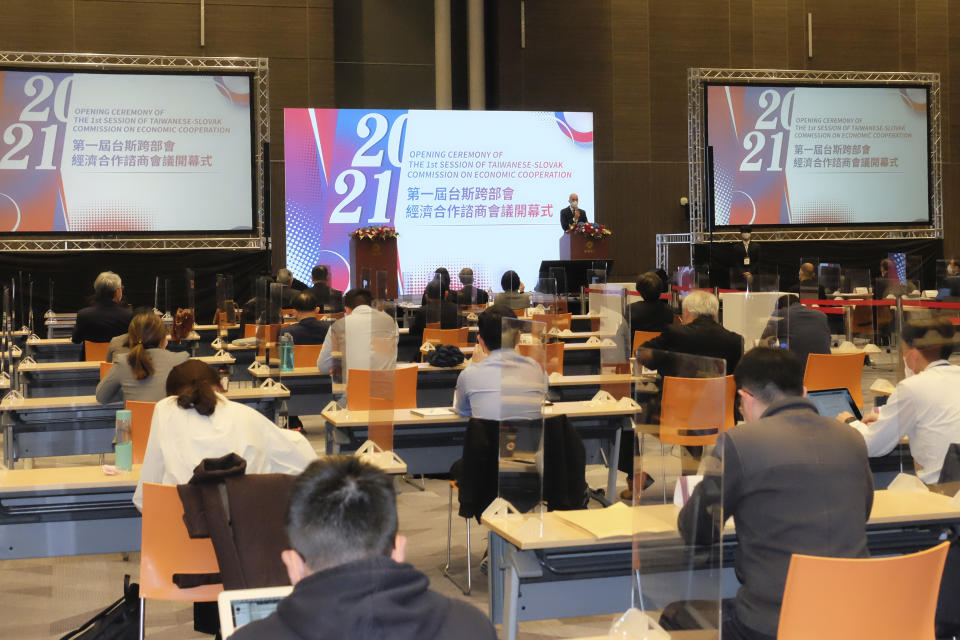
[[793, 481]]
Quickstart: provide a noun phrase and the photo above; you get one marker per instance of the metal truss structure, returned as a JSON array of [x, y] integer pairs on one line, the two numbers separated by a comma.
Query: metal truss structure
[[696, 153], [259, 97]]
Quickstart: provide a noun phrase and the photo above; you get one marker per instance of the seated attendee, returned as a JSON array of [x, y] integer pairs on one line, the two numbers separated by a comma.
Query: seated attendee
[[951, 282], [504, 385], [106, 318], [807, 285], [699, 334], [435, 310], [469, 294], [802, 329], [792, 481], [285, 277], [513, 295], [366, 337], [348, 571], [141, 373], [197, 421], [925, 406], [120, 344], [308, 329], [650, 313], [441, 276], [329, 299]]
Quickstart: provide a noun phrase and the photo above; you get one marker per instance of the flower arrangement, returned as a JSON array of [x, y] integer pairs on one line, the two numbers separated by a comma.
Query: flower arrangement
[[374, 234], [593, 230]]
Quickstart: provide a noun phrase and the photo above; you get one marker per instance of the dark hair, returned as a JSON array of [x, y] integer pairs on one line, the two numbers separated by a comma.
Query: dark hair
[[320, 273], [769, 374], [664, 280], [510, 281], [341, 510], [304, 302], [444, 277], [146, 331], [357, 297], [649, 286], [887, 264], [490, 325], [194, 382], [433, 291], [932, 335]]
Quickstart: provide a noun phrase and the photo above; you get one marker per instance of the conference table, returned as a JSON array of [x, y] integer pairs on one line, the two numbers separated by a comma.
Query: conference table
[[73, 425], [65, 511], [552, 568], [52, 379], [431, 443]]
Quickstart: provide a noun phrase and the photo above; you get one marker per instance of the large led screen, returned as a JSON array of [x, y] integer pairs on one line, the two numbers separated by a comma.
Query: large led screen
[[125, 152], [785, 155], [479, 189]]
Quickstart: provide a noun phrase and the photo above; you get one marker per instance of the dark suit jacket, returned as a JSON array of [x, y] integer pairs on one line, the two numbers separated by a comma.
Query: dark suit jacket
[[806, 331], [330, 300], [702, 337], [471, 295], [566, 217], [446, 313], [740, 252], [649, 316], [101, 322], [794, 482], [307, 331], [287, 295]]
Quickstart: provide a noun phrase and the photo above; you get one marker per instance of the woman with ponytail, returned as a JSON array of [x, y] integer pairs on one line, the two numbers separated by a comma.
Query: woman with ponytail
[[196, 421], [141, 373]]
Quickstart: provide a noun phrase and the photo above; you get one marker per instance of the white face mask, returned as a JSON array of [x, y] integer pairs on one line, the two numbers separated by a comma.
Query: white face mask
[[573, 205], [907, 371]]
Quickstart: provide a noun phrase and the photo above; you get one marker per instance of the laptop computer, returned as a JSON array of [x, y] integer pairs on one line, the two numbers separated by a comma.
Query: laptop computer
[[241, 606], [832, 402]]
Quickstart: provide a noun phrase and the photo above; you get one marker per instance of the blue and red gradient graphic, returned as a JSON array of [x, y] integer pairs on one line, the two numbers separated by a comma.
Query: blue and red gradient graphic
[[750, 186], [337, 164], [584, 137], [32, 134]]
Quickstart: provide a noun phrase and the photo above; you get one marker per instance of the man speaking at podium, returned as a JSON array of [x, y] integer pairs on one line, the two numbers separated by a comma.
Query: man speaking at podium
[[572, 216]]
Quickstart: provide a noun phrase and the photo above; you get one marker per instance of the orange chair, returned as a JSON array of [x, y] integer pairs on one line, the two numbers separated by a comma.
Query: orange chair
[[701, 404], [364, 389], [639, 337], [95, 351], [141, 415], [104, 368], [166, 549], [834, 371], [432, 325], [559, 320], [550, 355], [249, 331], [267, 333], [880, 598], [305, 355], [380, 392]]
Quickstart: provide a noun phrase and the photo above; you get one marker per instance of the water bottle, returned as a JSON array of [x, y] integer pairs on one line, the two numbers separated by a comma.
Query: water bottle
[[286, 353], [224, 379], [123, 436], [283, 416]]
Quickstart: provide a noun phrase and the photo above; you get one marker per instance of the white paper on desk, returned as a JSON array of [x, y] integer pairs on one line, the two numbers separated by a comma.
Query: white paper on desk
[[526, 338], [472, 317], [626, 402], [427, 347], [882, 385], [556, 375], [907, 483], [425, 412], [615, 521], [637, 625], [684, 489], [607, 342], [847, 347], [554, 331], [566, 332], [593, 340]]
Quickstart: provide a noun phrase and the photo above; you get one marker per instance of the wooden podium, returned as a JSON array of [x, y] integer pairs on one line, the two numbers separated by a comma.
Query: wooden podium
[[576, 246], [369, 257]]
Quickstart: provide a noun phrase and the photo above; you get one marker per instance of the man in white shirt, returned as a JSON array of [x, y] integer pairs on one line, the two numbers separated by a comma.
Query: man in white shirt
[[504, 385], [925, 406], [364, 339]]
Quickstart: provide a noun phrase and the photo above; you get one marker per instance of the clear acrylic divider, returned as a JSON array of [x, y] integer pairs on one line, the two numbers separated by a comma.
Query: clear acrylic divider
[[675, 526], [612, 338], [749, 313], [948, 280], [830, 276], [520, 423], [545, 299]]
